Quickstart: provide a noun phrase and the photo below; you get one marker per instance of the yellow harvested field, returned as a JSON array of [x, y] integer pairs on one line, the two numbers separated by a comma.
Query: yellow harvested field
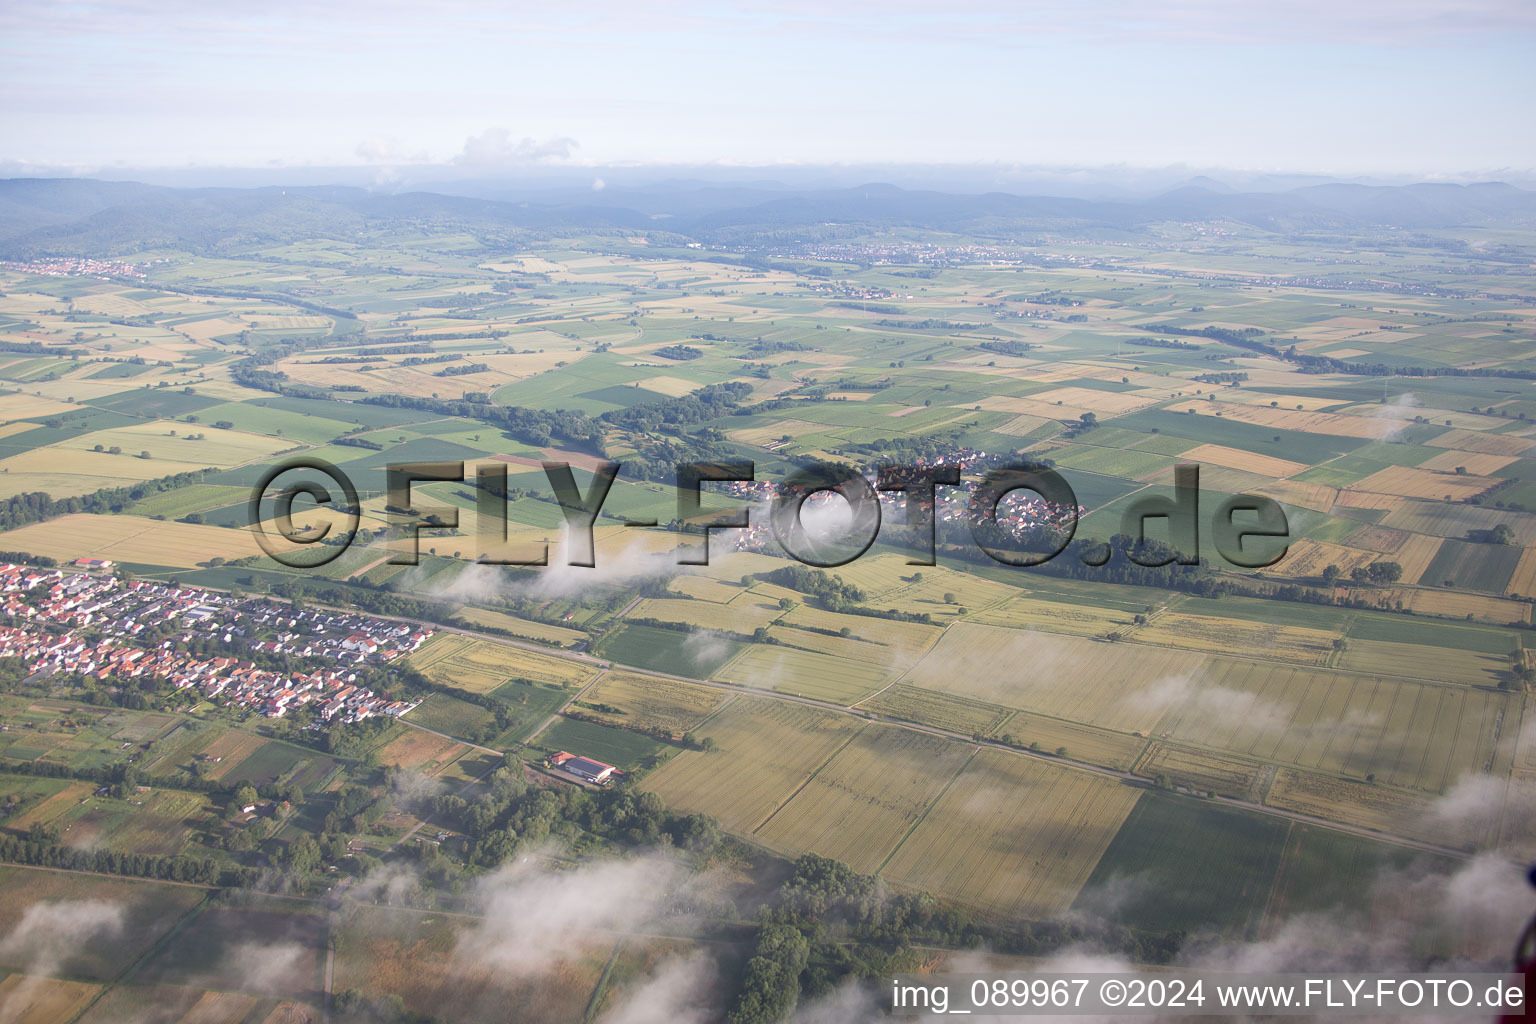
[[1203, 769], [1318, 497], [1054, 616], [1104, 403], [1233, 458], [1417, 734], [1081, 742], [807, 674], [913, 704], [1482, 443], [520, 626], [481, 666], [1294, 419], [1415, 555], [857, 808], [66, 474], [938, 583], [703, 588], [1404, 416], [1475, 463], [838, 646], [1245, 397], [767, 750], [1408, 482], [1060, 676], [774, 431], [288, 321], [878, 575], [1417, 661], [31, 999], [1370, 806], [18, 427], [1452, 604], [222, 448], [672, 387], [290, 1013], [1028, 407], [1013, 835], [23, 406], [204, 330], [736, 617], [124, 538], [220, 1008], [908, 638], [1309, 557], [1021, 425], [1368, 500], [1239, 637], [728, 566], [1523, 582], [649, 702]]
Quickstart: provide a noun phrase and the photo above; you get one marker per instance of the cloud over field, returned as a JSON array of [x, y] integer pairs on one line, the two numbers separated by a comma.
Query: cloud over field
[[536, 917], [630, 564], [51, 935], [1213, 703], [678, 991]]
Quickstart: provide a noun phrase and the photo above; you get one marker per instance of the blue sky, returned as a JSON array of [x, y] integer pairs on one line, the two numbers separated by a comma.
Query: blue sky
[[1342, 86]]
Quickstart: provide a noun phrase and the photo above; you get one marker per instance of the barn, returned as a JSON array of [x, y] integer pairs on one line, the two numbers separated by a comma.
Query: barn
[[583, 767]]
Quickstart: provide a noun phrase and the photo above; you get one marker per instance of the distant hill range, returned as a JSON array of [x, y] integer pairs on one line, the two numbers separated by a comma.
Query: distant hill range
[[76, 216]]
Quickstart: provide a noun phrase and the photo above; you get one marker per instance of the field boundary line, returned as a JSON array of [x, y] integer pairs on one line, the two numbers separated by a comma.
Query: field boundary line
[[926, 810], [1287, 855], [727, 663], [730, 699], [808, 779], [193, 912], [595, 999]]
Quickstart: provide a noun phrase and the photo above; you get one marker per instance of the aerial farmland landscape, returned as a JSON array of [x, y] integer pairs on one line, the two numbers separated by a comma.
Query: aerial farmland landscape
[[522, 587]]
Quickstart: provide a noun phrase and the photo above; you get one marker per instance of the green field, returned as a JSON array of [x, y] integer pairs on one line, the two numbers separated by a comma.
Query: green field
[[664, 650], [449, 715], [1198, 868], [618, 747]]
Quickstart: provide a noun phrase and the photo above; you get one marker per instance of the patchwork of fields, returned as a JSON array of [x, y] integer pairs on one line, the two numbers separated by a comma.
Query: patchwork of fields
[[1028, 744]]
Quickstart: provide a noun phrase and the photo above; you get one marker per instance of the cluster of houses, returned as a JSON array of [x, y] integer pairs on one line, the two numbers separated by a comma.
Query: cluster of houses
[[88, 624], [61, 267], [908, 254]]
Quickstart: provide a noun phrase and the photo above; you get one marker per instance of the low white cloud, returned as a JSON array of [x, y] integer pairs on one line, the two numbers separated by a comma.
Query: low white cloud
[[535, 917], [389, 150], [48, 938], [496, 148]]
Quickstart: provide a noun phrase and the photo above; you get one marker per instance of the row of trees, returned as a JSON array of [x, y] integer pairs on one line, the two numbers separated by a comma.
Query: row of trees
[[1378, 573], [35, 506]]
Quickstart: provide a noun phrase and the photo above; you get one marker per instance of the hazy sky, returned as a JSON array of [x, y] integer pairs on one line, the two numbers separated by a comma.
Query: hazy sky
[[1339, 86]]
